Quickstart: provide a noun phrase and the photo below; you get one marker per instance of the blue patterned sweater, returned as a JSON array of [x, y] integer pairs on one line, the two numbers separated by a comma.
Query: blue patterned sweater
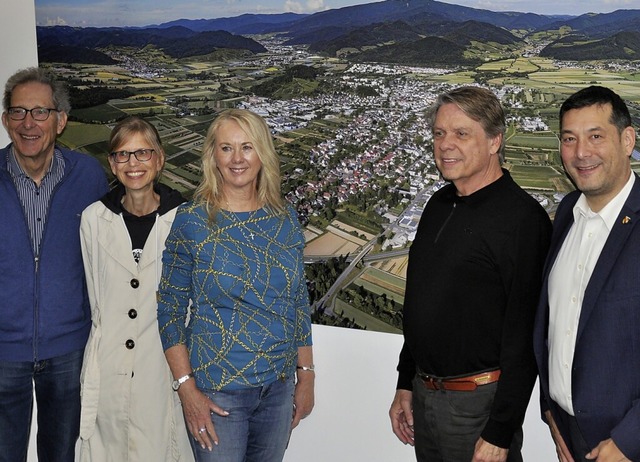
[[249, 309]]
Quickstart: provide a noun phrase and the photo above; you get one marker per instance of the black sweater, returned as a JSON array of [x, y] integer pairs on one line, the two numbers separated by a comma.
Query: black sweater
[[140, 227], [473, 282]]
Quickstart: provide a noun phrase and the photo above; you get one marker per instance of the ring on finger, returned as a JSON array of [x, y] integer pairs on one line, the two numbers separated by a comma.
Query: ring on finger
[[202, 430]]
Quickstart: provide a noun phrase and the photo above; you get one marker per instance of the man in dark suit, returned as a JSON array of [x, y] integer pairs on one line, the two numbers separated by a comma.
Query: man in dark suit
[[587, 330]]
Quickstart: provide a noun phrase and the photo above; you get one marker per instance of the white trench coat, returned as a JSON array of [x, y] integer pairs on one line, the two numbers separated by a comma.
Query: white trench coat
[[129, 411]]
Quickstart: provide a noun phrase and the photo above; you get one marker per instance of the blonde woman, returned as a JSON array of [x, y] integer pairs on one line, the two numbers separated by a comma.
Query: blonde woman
[[129, 411], [243, 366]]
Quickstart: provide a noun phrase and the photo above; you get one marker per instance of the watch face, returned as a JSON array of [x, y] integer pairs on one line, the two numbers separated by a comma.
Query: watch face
[[175, 385]]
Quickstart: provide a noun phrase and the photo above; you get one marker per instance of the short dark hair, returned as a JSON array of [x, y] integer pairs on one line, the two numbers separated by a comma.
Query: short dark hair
[[35, 74], [479, 104], [601, 96]]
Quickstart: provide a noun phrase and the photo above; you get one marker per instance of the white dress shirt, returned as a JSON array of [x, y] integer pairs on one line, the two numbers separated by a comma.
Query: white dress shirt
[[567, 283]]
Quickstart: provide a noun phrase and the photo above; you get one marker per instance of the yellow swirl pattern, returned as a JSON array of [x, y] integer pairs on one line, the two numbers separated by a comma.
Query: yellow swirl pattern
[[249, 308]]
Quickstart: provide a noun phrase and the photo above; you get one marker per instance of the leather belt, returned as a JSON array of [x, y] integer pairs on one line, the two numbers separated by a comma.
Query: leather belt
[[466, 383]]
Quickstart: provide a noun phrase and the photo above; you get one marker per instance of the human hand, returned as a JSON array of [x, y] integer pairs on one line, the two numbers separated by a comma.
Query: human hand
[[607, 451], [197, 408], [303, 397], [401, 415], [487, 452], [561, 447]]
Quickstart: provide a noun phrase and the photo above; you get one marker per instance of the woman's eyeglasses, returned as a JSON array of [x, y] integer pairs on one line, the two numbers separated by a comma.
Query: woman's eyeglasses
[[142, 155]]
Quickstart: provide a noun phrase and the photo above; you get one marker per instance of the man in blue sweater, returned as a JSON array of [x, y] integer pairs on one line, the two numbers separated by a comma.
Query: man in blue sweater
[[44, 309]]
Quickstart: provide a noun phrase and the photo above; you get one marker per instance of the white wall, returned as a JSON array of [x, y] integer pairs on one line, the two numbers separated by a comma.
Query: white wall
[[18, 39], [18, 50], [355, 383], [355, 370]]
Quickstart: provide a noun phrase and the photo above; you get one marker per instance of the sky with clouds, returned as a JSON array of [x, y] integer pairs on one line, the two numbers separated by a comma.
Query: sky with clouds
[[100, 13]]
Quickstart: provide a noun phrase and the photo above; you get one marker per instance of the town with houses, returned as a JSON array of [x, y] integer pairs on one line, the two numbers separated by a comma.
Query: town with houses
[[358, 167]]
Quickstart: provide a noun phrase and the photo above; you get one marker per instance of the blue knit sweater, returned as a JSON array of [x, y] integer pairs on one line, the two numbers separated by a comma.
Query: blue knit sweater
[[44, 306]]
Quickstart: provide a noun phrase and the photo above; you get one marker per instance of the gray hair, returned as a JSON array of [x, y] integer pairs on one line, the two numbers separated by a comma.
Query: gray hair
[[36, 74], [479, 104]]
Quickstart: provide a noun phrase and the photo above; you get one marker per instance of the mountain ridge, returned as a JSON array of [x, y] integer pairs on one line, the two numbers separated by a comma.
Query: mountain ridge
[[381, 25]]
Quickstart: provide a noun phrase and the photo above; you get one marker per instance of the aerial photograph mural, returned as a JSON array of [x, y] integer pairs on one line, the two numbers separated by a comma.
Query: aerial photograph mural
[[345, 88]]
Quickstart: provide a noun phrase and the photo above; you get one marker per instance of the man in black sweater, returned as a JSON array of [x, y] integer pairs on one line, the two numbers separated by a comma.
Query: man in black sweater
[[467, 368]]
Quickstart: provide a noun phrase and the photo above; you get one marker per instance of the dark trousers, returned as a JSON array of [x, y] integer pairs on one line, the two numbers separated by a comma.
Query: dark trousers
[[447, 424], [57, 388]]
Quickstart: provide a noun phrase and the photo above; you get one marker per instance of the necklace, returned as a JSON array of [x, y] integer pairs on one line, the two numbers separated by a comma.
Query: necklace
[[242, 223]]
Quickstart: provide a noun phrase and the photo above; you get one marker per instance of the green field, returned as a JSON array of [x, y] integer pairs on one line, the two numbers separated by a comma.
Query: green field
[[125, 105], [105, 113], [545, 140], [510, 65], [185, 158], [78, 134], [379, 282], [537, 177]]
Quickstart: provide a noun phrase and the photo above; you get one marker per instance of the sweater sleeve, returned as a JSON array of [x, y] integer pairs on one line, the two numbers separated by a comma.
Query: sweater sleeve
[[303, 314], [522, 275], [175, 286], [302, 306], [406, 369], [87, 237]]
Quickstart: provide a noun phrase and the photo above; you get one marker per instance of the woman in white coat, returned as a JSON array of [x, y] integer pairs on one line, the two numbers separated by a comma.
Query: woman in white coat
[[129, 410]]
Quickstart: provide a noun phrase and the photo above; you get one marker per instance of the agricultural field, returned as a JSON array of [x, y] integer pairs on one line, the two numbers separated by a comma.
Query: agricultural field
[[537, 177], [78, 135], [102, 114], [534, 140], [362, 319], [561, 82], [377, 281], [395, 266], [330, 244], [510, 65], [182, 99]]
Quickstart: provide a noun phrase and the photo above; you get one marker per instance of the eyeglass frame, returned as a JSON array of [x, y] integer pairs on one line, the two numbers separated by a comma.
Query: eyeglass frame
[[30, 111], [114, 155]]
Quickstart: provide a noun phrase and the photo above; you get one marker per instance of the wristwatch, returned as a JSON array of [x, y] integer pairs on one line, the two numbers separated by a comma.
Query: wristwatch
[[310, 368], [176, 383]]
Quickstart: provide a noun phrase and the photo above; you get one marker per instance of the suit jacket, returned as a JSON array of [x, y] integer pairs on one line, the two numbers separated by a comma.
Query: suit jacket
[[606, 364]]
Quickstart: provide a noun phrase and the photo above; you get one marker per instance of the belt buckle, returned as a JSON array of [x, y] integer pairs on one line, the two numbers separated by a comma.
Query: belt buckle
[[483, 379], [437, 383]]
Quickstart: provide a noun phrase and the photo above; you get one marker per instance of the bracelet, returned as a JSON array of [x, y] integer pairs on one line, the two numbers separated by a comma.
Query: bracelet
[[311, 368]]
